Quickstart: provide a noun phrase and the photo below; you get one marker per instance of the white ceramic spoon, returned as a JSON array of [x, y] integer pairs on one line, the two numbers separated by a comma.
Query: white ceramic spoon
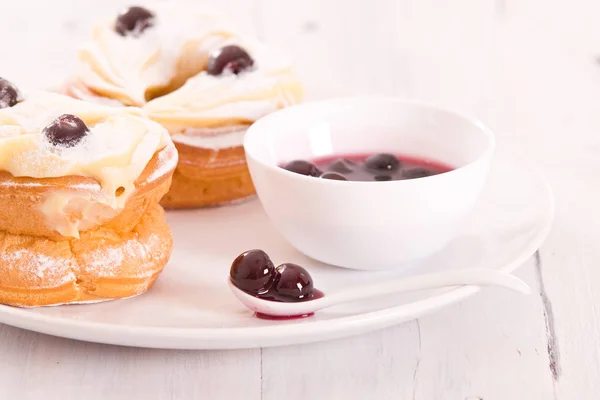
[[478, 277]]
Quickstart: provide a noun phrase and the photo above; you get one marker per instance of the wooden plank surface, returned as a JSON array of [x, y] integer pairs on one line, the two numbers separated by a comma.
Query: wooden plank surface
[[529, 68]]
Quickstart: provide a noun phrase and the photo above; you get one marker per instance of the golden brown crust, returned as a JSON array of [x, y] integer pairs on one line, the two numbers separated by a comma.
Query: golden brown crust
[[103, 264], [206, 177], [21, 198]]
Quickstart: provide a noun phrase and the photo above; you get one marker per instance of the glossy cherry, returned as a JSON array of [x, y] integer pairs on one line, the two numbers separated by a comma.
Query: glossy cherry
[[417, 172], [9, 94], [335, 176], [382, 162], [231, 59], [292, 283], [253, 272], [66, 131], [303, 168], [381, 167], [342, 166], [133, 21]]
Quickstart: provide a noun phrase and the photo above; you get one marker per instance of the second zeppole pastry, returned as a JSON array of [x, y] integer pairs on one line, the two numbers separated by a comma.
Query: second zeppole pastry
[[194, 74], [79, 190]]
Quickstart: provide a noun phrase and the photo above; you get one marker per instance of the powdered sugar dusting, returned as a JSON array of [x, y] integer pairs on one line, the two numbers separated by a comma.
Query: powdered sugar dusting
[[104, 261], [167, 161], [136, 257], [109, 261], [83, 186], [37, 269]]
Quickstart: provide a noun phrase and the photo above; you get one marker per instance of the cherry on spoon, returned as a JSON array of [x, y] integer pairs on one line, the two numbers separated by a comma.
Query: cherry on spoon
[[477, 277]]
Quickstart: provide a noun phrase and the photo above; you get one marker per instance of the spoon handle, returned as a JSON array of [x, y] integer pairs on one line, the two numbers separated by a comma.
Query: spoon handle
[[478, 277]]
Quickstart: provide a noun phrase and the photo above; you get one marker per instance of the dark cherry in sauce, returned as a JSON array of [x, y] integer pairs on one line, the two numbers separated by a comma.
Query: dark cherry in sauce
[[342, 165], [303, 167], [379, 167], [382, 162], [336, 176]]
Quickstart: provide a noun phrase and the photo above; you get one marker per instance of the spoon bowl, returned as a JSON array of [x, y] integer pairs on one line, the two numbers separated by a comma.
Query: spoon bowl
[[478, 277]]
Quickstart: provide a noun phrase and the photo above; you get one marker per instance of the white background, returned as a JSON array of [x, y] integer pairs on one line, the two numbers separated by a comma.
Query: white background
[[529, 68]]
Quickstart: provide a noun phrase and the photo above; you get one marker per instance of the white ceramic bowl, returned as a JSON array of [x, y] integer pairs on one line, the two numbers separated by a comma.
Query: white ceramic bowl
[[368, 225]]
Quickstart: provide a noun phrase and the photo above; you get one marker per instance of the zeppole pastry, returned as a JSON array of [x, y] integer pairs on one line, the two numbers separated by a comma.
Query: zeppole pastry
[[79, 190], [196, 75]]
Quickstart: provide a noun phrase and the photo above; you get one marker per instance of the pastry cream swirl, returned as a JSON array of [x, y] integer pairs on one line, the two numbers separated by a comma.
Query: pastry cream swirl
[[133, 68], [115, 151], [163, 70], [207, 101]]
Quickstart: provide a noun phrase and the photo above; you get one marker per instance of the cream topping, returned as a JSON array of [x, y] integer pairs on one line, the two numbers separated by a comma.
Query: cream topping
[[70, 213], [207, 101], [126, 67], [115, 151], [176, 49], [212, 138]]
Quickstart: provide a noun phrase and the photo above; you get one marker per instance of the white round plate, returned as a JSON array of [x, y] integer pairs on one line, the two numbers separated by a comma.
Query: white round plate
[[190, 306]]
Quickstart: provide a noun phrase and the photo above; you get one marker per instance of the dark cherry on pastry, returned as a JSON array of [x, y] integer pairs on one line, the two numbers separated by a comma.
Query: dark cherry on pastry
[[9, 94], [231, 59], [303, 168], [66, 131], [134, 20], [253, 272]]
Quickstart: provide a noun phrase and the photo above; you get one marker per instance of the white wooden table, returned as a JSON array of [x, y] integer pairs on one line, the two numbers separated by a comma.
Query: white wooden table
[[529, 68]]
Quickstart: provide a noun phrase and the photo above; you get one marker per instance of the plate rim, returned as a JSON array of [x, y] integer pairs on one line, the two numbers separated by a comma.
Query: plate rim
[[270, 336]]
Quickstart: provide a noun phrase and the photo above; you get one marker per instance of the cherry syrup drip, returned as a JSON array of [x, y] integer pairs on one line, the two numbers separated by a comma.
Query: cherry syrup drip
[[283, 318], [316, 294], [272, 296]]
